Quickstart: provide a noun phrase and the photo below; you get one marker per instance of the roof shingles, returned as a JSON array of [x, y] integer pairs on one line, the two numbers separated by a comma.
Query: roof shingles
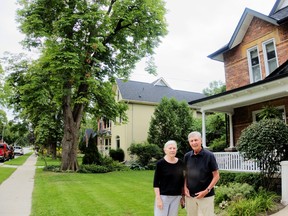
[[148, 92]]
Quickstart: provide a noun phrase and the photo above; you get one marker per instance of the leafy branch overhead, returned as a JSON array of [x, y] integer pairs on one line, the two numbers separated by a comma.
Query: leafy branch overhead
[[85, 45]]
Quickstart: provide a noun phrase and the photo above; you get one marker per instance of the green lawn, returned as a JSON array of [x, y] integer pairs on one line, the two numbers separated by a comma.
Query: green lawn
[[127, 193], [5, 172], [19, 160], [41, 160]]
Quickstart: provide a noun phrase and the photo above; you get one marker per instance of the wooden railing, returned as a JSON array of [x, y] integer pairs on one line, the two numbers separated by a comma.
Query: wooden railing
[[233, 161]]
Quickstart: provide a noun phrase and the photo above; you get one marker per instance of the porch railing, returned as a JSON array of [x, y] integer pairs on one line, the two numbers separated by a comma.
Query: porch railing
[[233, 161]]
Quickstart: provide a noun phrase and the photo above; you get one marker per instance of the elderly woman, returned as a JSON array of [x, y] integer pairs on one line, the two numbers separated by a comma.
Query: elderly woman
[[168, 182]]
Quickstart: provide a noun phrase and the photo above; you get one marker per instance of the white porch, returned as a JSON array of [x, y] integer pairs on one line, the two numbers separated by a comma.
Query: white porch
[[233, 161]]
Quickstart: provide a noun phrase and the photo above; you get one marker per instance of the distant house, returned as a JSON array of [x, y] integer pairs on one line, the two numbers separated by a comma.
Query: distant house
[[256, 70], [141, 98]]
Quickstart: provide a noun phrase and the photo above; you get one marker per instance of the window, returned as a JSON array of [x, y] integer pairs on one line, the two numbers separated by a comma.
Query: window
[[117, 142], [280, 108], [270, 56], [107, 143], [254, 65]]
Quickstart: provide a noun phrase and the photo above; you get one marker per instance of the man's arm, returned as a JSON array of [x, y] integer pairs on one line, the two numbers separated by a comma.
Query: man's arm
[[216, 177]]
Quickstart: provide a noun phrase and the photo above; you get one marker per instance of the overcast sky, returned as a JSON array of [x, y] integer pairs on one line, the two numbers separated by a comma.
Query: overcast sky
[[196, 29]]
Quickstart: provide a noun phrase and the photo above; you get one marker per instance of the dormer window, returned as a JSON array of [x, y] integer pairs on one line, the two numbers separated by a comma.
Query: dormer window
[[270, 56], [254, 65]]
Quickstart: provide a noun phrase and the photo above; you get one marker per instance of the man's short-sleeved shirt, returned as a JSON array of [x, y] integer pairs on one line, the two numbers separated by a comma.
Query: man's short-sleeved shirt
[[198, 170]]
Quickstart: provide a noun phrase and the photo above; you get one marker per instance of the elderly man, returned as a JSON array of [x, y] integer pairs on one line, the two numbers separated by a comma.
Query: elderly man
[[201, 175]]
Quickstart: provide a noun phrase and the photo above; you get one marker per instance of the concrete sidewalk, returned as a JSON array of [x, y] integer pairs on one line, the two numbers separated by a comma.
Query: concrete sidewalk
[[16, 191], [282, 212]]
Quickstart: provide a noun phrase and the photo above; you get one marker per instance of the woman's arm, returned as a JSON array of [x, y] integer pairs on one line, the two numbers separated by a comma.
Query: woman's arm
[[158, 199]]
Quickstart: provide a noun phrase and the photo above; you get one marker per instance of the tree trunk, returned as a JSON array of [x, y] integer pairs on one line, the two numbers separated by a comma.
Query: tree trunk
[[53, 150], [69, 147], [70, 136]]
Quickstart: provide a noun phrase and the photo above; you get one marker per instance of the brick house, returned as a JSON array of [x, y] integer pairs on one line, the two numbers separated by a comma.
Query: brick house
[[256, 70]]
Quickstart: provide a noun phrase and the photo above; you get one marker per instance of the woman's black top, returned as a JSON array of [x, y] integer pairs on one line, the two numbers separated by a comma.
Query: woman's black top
[[169, 177]]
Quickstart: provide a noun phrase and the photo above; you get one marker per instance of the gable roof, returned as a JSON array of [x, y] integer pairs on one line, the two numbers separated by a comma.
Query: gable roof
[[160, 82], [281, 15], [153, 93], [277, 16], [279, 4]]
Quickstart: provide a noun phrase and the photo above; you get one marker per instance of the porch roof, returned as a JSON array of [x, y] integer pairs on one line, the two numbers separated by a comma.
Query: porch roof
[[272, 87]]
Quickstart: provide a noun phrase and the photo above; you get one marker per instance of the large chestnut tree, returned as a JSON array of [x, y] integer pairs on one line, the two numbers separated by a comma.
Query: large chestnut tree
[[84, 45]]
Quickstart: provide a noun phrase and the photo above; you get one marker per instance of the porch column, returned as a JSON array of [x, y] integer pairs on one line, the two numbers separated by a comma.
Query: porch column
[[284, 180], [231, 131], [231, 147], [203, 130]]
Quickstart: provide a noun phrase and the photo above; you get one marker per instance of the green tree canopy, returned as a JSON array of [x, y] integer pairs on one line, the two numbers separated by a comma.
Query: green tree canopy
[[85, 45], [3, 122], [215, 87], [172, 120]]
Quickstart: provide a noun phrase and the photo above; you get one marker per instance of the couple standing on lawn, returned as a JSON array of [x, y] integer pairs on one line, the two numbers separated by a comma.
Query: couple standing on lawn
[[189, 183]]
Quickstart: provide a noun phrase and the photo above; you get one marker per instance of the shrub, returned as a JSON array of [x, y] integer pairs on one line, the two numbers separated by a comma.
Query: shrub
[[220, 195], [91, 153], [267, 142], [136, 166], [233, 192], [107, 164], [93, 168], [215, 126], [253, 179], [226, 177], [218, 145], [52, 168], [263, 201], [145, 152], [112, 165], [117, 155], [151, 165]]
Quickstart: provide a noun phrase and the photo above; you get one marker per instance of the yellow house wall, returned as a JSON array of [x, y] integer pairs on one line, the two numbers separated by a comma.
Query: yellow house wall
[[135, 130]]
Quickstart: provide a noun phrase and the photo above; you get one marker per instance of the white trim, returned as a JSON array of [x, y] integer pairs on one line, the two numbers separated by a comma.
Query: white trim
[[282, 4], [251, 74], [284, 179], [161, 82], [227, 103], [203, 130], [265, 55]]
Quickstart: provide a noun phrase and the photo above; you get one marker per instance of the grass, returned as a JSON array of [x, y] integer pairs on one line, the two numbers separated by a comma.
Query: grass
[[5, 173], [51, 161], [19, 160], [127, 193]]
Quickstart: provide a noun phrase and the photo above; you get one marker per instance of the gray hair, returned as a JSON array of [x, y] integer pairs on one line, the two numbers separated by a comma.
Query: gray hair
[[173, 142], [194, 134]]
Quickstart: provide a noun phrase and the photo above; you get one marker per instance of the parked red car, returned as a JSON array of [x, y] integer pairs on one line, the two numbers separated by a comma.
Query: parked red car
[[4, 152]]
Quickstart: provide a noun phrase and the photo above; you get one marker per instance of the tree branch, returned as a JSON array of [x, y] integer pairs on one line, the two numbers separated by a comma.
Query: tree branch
[[110, 6]]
